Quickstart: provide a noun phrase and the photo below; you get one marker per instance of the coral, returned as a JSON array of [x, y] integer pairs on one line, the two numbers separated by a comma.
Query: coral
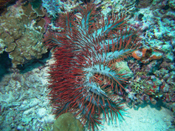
[[138, 86], [4, 3], [21, 36], [171, 3], [143, 3], [67, 122], [157, 26], [152, 82], [146, 86], [22, 96], [37, 6], [54, 7], [116, 6], [47, 127], [122, 65], [84, 77]]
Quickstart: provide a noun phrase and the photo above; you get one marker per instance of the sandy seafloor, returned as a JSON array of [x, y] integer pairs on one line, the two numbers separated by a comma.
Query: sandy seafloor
[[143, 119]]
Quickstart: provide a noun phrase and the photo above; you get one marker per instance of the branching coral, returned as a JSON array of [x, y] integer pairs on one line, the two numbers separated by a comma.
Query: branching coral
[[85, 79]]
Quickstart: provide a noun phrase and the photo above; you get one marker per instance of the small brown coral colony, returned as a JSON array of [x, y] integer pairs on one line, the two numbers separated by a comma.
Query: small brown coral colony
[[67, 122]]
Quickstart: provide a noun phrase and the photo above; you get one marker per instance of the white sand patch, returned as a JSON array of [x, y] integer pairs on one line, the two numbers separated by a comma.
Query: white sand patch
[[143, 119]]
